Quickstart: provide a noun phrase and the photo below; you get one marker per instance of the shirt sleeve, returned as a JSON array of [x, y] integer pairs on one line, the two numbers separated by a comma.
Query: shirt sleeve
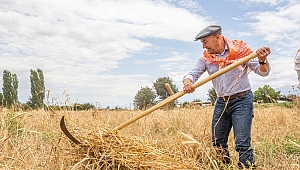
[[297, 57], [196, 72], [254, 65], [297, 61]]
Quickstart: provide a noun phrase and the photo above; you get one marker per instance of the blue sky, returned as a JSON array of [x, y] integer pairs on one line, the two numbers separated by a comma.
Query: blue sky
[[103, 52]]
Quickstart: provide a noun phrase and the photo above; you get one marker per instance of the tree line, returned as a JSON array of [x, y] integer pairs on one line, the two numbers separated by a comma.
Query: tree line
[[144, 98], [149, 96], [9, 95], [265, 94]]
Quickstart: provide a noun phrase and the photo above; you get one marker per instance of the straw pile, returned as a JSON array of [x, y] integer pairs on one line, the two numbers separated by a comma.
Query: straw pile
[[106, 148]]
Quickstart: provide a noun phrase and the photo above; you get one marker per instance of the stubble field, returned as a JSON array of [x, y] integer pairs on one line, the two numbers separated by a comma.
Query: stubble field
[[164, 139]]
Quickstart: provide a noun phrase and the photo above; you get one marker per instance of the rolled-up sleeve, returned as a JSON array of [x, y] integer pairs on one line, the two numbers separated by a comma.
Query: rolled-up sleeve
[[254, 65]]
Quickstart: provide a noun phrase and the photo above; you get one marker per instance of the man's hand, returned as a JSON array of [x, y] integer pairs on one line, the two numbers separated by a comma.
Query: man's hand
[[262, 53], [188, 86]]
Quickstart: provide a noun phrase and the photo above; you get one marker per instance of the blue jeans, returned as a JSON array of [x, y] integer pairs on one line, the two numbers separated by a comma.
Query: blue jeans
[[237, 114]]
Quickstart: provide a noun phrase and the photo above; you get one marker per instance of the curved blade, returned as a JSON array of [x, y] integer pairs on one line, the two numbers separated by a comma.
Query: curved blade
[[66, 132]]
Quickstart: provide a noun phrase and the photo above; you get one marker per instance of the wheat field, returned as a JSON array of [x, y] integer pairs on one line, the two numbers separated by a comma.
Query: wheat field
[[165, 139]]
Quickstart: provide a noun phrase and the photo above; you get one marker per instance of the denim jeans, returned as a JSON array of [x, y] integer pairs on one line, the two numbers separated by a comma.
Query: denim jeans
[[237, 114]]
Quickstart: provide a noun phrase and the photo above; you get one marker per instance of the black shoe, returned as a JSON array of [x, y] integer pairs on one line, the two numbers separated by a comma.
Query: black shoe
[[247, 166], [223, 156]]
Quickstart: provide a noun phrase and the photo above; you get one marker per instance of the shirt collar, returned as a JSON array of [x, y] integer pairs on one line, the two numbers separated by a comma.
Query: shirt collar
[[224, 52]]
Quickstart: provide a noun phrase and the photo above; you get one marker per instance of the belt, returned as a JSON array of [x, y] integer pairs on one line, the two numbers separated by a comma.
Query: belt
[[226, 98]]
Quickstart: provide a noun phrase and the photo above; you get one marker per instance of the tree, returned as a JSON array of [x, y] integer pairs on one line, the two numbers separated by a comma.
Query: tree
[[85, 106], [266, 94], [1, 99], [15, 84], [185, 104], [161, 91], [212, 95], [37, 88], [10, 89], [145, 97]]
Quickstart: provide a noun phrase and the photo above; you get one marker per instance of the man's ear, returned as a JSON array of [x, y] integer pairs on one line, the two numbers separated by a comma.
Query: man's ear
[[218, 36]]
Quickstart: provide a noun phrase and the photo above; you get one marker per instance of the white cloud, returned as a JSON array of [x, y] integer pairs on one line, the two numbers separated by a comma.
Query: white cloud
[[76, 43], [271, 2], [190, 4], [177, 58], [279, 26]]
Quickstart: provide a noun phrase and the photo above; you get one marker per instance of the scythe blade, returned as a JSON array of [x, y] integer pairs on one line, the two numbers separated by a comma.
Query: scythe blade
[[66, 132]]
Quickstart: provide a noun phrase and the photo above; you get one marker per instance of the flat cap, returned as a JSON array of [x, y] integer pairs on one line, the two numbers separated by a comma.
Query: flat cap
[[207, 31]]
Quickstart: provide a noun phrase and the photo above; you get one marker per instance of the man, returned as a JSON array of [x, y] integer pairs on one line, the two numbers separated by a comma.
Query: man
[[297, 66], [234, 105]]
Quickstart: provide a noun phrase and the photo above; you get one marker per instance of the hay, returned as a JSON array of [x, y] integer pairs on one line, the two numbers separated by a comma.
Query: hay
[[105, 148]]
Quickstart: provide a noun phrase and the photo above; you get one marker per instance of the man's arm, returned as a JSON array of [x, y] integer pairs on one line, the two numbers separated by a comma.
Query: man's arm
[[192, 76], [262, 54]]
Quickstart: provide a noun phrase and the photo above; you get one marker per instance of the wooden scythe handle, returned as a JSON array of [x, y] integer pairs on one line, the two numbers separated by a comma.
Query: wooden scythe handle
[[169, 89], [181, 93]]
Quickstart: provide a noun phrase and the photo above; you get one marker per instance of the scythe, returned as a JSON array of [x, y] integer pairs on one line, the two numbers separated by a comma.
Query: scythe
[[169, 99]]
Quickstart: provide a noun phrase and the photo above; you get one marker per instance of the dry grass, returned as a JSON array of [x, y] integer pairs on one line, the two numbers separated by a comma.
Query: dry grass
[[173, 139]]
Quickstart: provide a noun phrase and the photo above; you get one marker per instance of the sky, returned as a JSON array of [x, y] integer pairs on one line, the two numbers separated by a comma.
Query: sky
[[104, 51]]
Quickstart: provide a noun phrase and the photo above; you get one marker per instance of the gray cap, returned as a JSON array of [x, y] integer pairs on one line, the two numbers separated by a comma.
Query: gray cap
[[207, 31]]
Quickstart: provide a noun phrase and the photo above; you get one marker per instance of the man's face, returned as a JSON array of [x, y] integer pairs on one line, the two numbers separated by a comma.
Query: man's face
[[210, 43]]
